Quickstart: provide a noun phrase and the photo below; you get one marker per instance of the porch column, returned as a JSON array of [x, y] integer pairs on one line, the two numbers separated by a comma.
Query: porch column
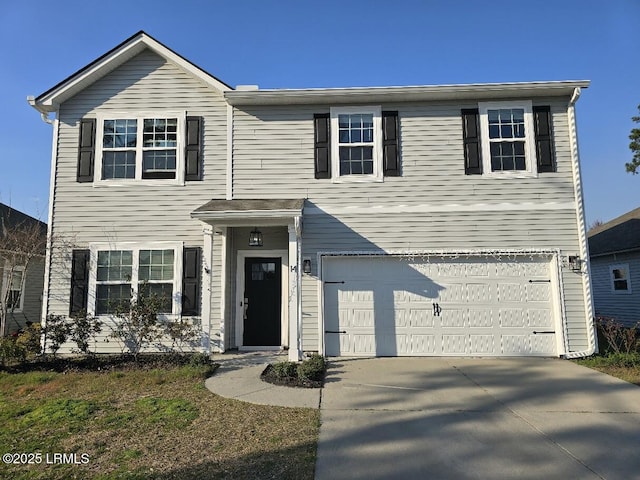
[[295, 307], [207, 252]]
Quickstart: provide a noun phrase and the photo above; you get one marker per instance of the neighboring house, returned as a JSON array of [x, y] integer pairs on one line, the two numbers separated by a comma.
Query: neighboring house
[[614, 250], [434, 220], [20, 286]]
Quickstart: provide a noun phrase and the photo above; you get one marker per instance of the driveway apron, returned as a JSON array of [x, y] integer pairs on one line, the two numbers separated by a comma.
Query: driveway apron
[[458, 418]]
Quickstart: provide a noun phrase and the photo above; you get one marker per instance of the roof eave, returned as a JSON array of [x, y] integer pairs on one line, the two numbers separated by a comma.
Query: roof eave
[[477, 91]]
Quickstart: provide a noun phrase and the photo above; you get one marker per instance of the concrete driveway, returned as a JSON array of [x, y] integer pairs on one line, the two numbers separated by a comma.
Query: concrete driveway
[[455, 418]]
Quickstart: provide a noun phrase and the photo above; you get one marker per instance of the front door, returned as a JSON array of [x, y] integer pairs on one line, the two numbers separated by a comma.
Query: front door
[[262, 301]]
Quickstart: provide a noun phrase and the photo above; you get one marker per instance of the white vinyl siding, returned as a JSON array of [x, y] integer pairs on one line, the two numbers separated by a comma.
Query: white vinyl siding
[[147, 211]]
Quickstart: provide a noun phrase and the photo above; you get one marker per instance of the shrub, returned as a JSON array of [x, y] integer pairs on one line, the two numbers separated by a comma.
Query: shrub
[[284, 370], [29, 339], [312, 368], [199, 359], [11, 351], [56, 332], [84, 328], [137, 325], [617, 338], [182, 333]]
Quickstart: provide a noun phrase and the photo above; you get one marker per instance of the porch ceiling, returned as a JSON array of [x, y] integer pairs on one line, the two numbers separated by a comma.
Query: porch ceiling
[[250, 212]]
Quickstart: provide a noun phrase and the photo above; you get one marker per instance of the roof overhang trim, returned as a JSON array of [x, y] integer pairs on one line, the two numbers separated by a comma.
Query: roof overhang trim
[[476, 91]]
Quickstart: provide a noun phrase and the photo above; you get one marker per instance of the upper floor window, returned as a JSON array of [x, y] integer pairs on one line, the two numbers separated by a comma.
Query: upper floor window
[[356, 151], [508, 133], [620, 280], [139, 148]]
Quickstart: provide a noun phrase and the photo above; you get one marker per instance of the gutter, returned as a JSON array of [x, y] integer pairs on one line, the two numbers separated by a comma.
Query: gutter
[[44, 114], [582, 231]]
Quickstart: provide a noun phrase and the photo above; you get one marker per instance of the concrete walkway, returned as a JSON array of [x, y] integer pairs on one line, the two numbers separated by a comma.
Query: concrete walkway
[[238, 377], [451, 418]]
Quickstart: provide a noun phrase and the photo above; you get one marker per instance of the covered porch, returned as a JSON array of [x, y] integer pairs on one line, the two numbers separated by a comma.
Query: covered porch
[[251, 282]]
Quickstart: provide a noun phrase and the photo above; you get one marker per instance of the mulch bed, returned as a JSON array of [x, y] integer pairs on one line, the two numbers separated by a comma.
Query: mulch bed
[[100, 363], [269, 376]]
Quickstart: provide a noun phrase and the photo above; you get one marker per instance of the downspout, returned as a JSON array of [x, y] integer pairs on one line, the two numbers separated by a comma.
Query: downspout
[[582, 231], [44, 115]]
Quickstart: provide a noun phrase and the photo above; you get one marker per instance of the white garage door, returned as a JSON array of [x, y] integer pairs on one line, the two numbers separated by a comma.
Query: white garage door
[[394, 306]]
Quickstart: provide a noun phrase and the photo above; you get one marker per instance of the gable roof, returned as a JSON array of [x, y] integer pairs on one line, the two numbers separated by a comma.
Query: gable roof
[[10, 217], [622, 234], [49, 100]]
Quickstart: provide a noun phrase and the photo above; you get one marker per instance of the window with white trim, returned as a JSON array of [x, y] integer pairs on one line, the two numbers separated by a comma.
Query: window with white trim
[[15, 299], [356, 152], [126, 270], [145, 147], [620, 280], [507, 132]]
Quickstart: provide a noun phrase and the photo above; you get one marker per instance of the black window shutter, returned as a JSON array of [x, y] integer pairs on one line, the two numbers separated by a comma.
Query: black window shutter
[[471, 136], [79, 281], [86, 149], [390, 140], [322, 148], [193, 149], [544, 139], [191, 266]]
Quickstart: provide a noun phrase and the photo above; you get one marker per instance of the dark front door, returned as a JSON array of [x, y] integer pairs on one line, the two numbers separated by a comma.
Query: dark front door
[[262, 298]]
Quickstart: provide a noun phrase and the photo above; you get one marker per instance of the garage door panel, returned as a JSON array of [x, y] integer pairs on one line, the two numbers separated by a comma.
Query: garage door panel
[[482, 344], [385, 307]]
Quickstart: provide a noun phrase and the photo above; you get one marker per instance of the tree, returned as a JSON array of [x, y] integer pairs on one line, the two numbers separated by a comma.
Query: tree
[[634, 146], [23, 239]]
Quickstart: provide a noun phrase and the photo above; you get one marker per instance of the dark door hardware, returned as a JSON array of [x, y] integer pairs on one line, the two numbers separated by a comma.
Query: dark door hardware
[[334, 282], [537, 333], [539, 281], [335, 331], [436, 310]]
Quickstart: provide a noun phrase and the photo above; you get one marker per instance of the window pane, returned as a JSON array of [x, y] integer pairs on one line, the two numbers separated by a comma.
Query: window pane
[[114, 265], [156, 265], [111, 297], [119, 133], [159, 164], [507, 156], [160, 292], [118, 164]]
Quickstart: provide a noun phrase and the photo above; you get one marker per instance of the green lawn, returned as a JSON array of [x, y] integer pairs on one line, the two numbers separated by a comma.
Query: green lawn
[[143, 424]]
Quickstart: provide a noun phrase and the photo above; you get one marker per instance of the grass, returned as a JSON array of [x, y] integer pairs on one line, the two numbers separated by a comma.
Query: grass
[[149, 424], [619, 365]]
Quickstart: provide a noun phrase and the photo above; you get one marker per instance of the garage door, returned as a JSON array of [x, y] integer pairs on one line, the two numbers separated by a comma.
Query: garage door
[[393, 306]]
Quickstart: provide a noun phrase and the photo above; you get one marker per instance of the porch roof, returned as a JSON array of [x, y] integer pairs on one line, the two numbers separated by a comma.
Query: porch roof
[[249, 212]]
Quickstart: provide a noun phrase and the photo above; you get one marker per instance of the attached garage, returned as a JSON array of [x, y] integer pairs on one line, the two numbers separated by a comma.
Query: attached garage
[[437, 305]]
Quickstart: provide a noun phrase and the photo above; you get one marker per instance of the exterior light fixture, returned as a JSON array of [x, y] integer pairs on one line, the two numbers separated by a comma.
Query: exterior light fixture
[[306, 266], [255, 238], [575, 262]]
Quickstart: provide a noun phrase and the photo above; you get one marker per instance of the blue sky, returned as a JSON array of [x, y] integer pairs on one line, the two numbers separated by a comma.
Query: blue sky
[[337, 43]]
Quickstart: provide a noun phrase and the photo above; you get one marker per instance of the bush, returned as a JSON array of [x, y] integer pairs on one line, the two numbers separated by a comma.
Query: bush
[[312, 368], [84, 328], [56, 332], [617, 338], [11, 351], [285, 370], [29, 339], [199, 360]]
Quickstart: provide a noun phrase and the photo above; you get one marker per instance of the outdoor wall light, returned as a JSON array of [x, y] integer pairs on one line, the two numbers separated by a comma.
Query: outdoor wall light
[[306, 266], [575, 262], [255, 238]]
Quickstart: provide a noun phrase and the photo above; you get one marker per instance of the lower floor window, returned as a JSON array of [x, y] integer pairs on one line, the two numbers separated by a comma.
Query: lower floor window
[[620, 281], [123, 273], [14, 302]]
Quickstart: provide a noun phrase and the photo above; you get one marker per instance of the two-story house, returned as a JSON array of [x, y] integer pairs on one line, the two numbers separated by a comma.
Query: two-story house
[[422, 220]]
